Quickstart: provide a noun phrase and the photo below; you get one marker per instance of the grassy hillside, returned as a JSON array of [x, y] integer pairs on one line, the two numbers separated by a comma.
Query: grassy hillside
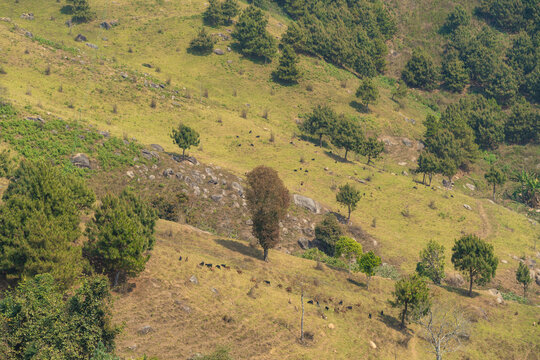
[[189, 318]]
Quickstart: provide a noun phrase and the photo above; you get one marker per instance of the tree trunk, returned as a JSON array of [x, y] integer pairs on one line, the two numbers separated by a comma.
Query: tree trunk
[[367, 282], [349, 217], [524, 290], [183, 153], [302, 321], [424, 179], [346, 151], [494, 192], [320, 140], [116, 277], [470, 283], [369, 159], [430, 177], [438, 353], [265, 255], [403, 314]]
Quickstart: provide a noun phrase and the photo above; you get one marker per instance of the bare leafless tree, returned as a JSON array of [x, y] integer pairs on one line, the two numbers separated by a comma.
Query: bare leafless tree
[[444, 327]]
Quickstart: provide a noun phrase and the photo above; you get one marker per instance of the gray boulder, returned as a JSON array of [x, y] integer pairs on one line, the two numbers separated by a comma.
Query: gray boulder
[[193, 280], [304, 243], [90, 45], [81, 161], [217, 198], [145, 330], [236, 186], [105, 25], [168, 172], [307, 203], [219, 52], [157, 147]]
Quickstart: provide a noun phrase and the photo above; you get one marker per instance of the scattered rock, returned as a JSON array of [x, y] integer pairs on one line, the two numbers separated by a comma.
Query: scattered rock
[[147, 65], [406, 142], [80, 38], [149, 155], [130, 174], [219, 52], [105, 134], [29, 34], [454, 280], [214, 290], [404, 173], [90, 45], [331, 326], [304, 243], [504, 261], [105, 25], [236, 186], [168, 172], [132, 347], [402, 163], [217, 198], [193, 280], [229, 62], [38, 119], [467, 207], [196, 191], [470, 187], [372, 345], [151, 177], [27, 16], [157, 147], [447, 183], [145, 330], [81, 161], [307, 203]]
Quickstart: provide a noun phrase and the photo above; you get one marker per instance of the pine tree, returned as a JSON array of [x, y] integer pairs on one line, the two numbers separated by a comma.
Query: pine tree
[[411, 293], [475, 258], [229, 9], [287, 70], [80, 9], [432, 262], [347, 134], [214, 15], [328, 233], [454, 73], [371, 148], [367, 92], [420, 71], [251, 35], [523, 277], [320, 122], [495, 176]]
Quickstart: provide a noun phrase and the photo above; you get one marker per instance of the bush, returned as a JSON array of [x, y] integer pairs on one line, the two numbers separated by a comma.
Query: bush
[[319, 256], [251, 35], [328, 232], [387, 271], [203, 43], [420, 71]]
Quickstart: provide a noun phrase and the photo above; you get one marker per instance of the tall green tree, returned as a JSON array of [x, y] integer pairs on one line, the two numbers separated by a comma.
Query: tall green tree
[[347, 134], [428, 164], [185, 137], [251, 35], [367, 264], [40, 322], [287, 71], [420, 71], [495, 176], [348, 196], [371, 148], [454, 73], [475, 258], [367, 92], [431, 262], [523, 125], [229, 9], [400, 91], [268, 200], [80, 9], [410, 293], [502, 84], [214, 15], [120, 236], [328, 232], [39, 223], [457, 18], [320, 122], [523, 276]]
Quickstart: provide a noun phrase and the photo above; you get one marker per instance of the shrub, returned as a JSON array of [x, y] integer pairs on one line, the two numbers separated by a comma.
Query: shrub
[[328, 232], [203, 43], [420, 71]]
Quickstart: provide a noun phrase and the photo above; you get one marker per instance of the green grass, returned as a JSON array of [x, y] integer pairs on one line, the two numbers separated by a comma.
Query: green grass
[[159, 33]]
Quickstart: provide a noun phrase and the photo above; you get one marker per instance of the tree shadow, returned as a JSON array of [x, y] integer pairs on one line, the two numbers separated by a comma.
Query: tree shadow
[[196, 52], [259, 60], [359, 107], [336, 157], [314, 140], [393, 323], [241, 248], [357, 283], [460, 291]]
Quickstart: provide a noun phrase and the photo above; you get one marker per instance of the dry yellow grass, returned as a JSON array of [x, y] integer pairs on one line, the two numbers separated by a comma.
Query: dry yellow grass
[[268, 326]]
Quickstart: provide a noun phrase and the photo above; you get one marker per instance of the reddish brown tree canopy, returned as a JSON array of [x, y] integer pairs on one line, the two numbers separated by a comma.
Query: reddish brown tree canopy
[[268, 200]]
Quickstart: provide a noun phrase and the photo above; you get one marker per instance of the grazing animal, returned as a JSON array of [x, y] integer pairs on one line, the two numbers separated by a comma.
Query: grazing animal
[[382, 313], [250, 131], [369, 315], [201, 263], [310, 302], [306, 170], [251, 145], [180, 258], [349, 307], [258, 136], [219, 267], [223, 265], [318, 303], [266, 281], [239, 271], [209, 265], [295, 170], [326, 308], [237, 136], [341, 302], [239, 144], [289, 289], [280, 286], [313, 159]]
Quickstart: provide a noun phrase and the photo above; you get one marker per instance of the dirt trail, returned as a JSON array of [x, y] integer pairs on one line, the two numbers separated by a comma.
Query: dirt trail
[[486, 229]]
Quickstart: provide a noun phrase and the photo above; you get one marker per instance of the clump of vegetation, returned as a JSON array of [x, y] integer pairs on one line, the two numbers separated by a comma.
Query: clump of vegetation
[[523, 277], [367, 92], [251, 35], [120, 236], [328, 232], [203, 43], [321, 257], [348, 196], [287, 71], [420, 71], [411, 293], [431, 262], [367, 264], [80, 10]]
